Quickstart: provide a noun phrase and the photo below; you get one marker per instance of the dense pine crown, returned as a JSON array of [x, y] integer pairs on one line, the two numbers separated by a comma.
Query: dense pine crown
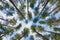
[[29, 20]]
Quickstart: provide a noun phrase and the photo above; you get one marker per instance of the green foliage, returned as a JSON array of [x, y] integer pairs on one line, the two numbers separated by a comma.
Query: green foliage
[[17, 37], [11, 8], [58, 1], [49, 21], [44, 14], [42, 22], [33, 28], [6, 5], [31, 37], [58, 20], [18, 27], [35, 13], [56, 36], [13, 21], [56, 29], [0, 38], [39, 28], [22, 6], [35, 20], [21, 17], [51, 1], [58, 7], [9, 30], [1, 8], [0, 0], [37, 35], [10, 14], [25, 32], [29, 15], [32, 3], [0, 25], [36, 9]]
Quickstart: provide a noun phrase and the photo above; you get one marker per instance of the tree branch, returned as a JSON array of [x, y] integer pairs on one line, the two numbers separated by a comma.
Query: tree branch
[[3, 19], [42, 36], [51, 32], [21, 37], [53, 10], [20, 13], [43, 7], [37, 8], [2, 33]]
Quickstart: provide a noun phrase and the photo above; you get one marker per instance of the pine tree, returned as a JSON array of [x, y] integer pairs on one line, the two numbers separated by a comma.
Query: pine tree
[[29, 20]]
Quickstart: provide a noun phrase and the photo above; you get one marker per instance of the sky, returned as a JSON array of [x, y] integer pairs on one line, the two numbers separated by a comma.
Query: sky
[[8, 37]]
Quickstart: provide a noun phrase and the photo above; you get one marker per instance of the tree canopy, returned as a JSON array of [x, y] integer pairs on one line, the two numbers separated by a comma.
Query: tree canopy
[[29, 20]]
